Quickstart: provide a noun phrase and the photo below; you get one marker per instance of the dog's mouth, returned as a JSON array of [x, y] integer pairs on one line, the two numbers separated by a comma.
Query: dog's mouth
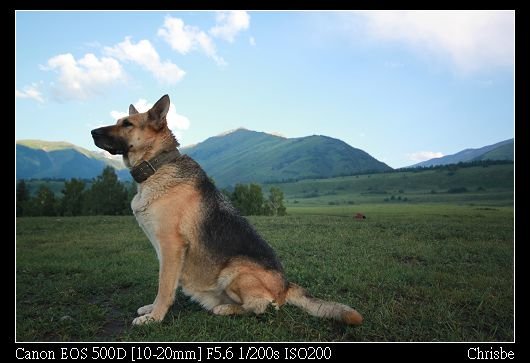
[[115, 146], [110, 149], [105, 144]]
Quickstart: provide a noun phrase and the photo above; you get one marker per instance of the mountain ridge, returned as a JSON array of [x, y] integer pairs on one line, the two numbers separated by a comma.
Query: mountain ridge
[[61, 159], [235, 156], [502, 150], [243, 156]]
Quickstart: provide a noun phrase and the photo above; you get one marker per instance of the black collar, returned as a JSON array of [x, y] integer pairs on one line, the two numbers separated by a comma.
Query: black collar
[[145, 169]]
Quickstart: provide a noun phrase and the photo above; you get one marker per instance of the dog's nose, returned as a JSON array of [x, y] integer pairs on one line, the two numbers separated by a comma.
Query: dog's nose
[[97, 132]]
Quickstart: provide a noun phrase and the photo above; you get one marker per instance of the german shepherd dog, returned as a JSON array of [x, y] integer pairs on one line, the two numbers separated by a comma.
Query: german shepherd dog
[[202, 243]]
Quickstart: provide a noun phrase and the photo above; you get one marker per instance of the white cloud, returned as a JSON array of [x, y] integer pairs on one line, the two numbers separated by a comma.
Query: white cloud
[[144, 54], [252, 41], [179, 36], [472, 40], [79, 79], [175, 121], [185, 38], [229, 23], [424, 155], [118, 114], [31, 92]]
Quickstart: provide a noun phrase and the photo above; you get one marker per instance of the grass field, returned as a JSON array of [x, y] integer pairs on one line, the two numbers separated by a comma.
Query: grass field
[[424, 272]]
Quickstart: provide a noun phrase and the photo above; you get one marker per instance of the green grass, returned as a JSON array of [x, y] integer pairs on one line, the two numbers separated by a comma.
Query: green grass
[[433, 272]]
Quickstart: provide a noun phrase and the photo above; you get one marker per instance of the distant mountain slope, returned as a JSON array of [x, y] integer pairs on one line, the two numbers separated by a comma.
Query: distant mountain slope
[[503, 152], [239, 156], [44, 159], [244, 156], [500, 151]]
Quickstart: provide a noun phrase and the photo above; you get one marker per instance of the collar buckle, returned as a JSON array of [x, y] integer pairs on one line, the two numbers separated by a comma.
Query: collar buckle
[[150, 165]]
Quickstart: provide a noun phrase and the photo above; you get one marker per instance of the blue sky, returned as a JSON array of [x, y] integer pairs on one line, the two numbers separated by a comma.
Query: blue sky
[[403, 86]]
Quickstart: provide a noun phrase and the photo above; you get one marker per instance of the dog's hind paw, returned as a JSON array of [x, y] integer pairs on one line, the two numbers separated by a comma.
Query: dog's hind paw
[[145, 319], [145, 309], [228, 309]]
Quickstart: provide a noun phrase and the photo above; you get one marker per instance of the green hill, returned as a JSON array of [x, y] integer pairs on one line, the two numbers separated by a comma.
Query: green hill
[[244, 156], [477, 184], [241, 156], [44, 159], [503, 152]]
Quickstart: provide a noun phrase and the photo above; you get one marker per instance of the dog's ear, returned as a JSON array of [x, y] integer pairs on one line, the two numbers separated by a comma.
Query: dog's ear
[[158, 112], [132, 110]]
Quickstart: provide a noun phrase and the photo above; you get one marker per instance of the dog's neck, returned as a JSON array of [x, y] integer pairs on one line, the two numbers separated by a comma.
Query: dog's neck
[[164, 143]]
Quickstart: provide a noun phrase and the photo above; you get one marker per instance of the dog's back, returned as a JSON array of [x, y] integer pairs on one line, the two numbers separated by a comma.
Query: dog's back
[[227, 234]]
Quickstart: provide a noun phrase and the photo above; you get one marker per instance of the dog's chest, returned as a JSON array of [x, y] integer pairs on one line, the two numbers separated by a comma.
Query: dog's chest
[[146, 220]]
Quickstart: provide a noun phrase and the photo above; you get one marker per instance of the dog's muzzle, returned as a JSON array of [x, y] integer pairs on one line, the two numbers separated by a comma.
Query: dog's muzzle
[[114, 145]]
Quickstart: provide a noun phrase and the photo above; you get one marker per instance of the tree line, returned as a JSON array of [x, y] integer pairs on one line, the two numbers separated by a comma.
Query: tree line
[[454, 166], [250, 201], [105, 196], [108, 196]]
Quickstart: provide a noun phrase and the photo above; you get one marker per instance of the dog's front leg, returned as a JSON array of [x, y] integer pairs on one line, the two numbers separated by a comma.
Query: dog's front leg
[[172, 252]]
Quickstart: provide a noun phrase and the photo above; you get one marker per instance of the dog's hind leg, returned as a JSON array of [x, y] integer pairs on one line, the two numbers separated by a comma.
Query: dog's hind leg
[[252, 305], [251, 292], [228, 309]]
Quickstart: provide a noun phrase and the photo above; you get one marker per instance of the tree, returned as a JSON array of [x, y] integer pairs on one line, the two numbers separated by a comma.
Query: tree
[[274, 204], [239, 198], [248, 199], [22, 198], [131, 192], [44, 203], [256, 200], [106, 196], [72, 201]]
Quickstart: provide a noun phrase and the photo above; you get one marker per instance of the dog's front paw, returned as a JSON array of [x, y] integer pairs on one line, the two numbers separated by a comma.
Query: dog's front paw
[[145, 319], [145, 309]]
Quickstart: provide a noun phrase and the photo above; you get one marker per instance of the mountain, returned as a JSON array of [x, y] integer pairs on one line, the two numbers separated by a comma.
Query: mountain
[[47, 159], [243, 156], [238, 156], [500, 151]]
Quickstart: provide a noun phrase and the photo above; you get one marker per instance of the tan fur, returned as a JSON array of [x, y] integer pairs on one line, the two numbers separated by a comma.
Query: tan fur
[[170, 228], [325, 309]]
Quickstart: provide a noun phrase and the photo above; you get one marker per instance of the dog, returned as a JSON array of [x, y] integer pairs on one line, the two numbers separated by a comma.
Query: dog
[[202, 243]]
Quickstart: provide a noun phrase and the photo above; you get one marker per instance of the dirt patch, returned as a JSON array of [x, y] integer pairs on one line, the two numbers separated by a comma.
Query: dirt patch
[[411, 260], [112, 328]]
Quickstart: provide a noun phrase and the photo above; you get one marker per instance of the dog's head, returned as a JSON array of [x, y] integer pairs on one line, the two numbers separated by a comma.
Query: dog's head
[[134, 133]]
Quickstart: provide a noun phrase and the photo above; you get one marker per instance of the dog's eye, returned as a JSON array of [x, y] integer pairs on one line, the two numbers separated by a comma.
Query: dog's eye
[[126, 123]]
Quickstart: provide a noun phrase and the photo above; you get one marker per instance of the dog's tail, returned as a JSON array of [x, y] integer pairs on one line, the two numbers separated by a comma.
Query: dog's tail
[[325, 309]]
